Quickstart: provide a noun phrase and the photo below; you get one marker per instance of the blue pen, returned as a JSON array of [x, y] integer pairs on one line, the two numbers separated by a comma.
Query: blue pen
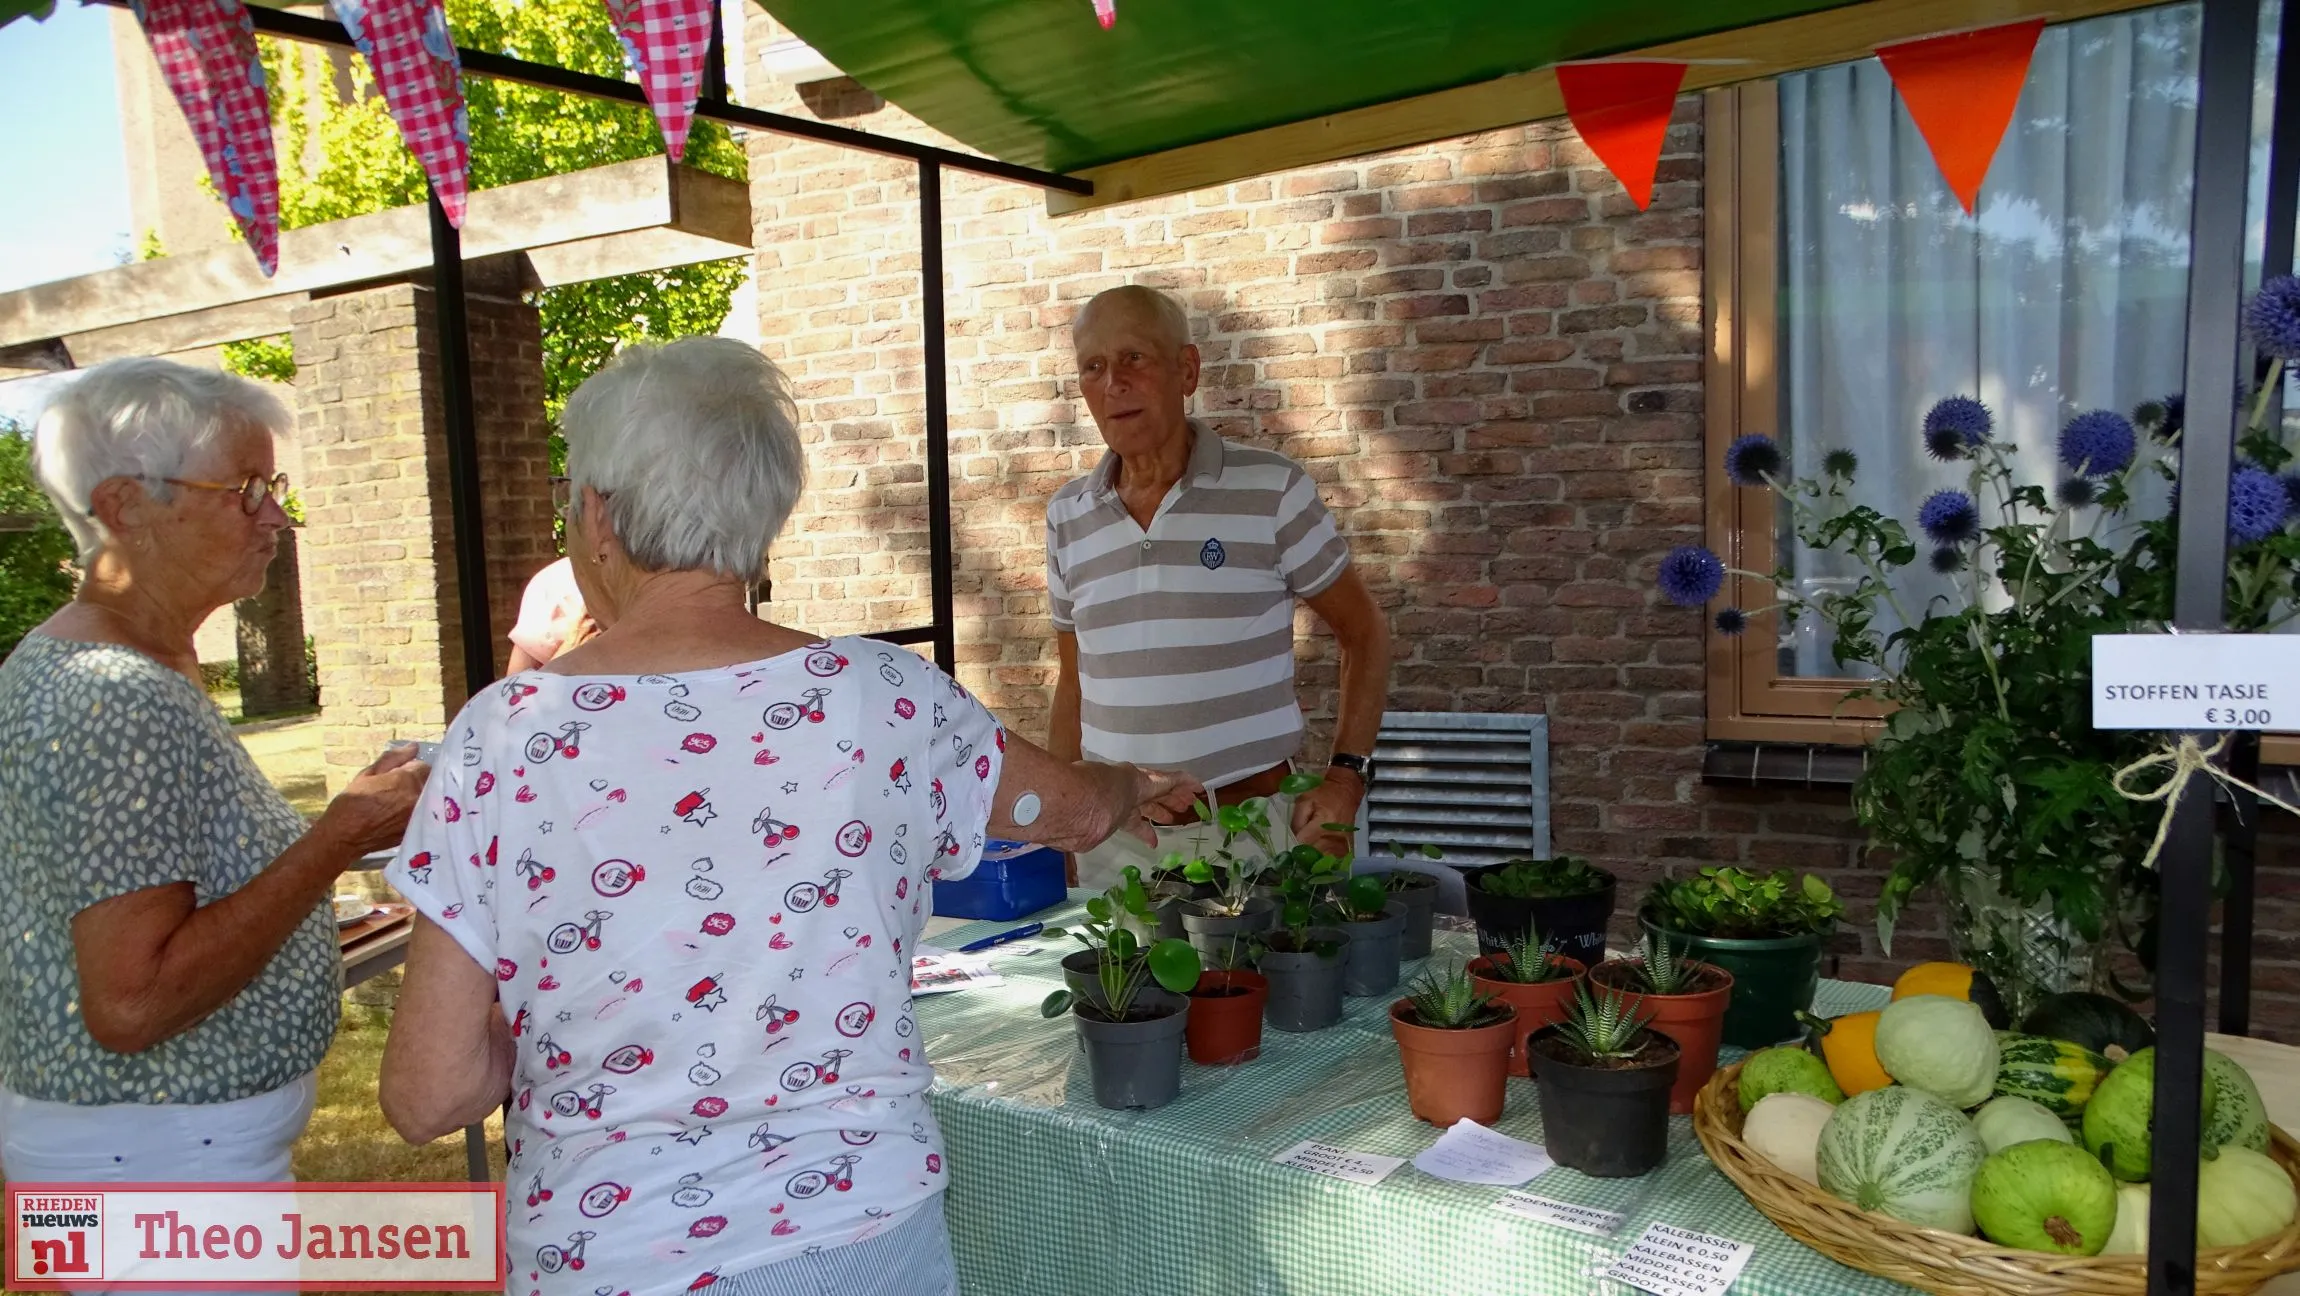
[[1027, 929]]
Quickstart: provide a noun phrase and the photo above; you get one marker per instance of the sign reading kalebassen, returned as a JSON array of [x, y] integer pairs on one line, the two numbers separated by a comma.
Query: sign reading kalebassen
[[292, 1237]]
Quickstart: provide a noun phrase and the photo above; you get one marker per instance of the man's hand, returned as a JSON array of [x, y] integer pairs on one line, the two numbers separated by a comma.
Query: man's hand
[[1333, 801], [1166, 797]]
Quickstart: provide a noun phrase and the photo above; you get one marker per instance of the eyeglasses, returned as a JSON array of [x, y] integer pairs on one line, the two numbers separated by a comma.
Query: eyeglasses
[[252, 492], [562, 494]]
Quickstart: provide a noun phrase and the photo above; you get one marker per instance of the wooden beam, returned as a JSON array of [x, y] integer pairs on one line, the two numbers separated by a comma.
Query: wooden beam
[[1769, 49], [190, 331], [643, 195]]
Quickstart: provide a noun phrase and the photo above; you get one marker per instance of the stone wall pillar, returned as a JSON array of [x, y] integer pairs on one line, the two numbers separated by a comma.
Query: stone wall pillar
[[378, 550]]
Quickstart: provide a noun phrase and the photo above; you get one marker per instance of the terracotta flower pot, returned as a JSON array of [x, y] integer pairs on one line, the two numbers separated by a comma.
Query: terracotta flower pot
[[1226, 1018], [1696, 1021], [1538, 1004], [1453, 1073]]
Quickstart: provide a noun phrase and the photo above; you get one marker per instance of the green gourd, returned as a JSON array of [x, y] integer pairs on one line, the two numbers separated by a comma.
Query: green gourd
[[2239, 1118], [2118, 1120], [2045, 1195], [2059, 1074], [2005, 1120], [2094, 1021], [1904, 1153], [1941, 1045]]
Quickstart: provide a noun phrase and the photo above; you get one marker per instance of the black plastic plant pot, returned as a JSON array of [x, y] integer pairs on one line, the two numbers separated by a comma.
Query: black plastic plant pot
[[1197, 890], [1222, 939], [1774, 979], [1370, 961], [1305, 985], [1136, 1064], [1170, 900], [1081, 974], [1608, 1122], [1419, 895], [1570, 925]]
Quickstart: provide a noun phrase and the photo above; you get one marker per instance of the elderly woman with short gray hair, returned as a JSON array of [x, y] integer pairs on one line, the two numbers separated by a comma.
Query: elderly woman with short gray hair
[[170, 973], [671, 884]]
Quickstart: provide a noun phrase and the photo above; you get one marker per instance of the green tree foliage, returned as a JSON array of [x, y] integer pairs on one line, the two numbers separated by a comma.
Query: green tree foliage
[[34, 578], [271, 359], [355, 163]]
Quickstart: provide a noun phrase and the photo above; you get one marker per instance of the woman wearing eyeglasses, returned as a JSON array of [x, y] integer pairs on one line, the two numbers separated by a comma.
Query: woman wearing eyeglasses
[[169, 974]]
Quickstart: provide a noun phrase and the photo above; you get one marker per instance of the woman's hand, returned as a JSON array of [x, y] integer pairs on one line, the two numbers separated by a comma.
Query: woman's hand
[[371, 812], [1171, 793]]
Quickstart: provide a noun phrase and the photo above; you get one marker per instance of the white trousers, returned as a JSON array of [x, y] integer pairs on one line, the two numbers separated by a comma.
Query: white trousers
[[248, 1140]]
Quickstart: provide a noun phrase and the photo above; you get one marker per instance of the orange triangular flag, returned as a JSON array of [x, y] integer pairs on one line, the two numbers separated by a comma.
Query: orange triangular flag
[[1622, 111], [1961, 91]]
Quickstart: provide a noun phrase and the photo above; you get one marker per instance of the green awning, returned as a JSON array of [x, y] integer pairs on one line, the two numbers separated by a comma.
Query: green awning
[[1039, 83]]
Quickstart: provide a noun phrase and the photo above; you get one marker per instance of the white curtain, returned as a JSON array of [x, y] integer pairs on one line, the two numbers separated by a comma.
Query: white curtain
[[2067, 291]]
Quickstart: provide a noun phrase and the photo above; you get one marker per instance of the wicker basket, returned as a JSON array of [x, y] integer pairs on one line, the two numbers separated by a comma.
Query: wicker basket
[[1949, 1264]]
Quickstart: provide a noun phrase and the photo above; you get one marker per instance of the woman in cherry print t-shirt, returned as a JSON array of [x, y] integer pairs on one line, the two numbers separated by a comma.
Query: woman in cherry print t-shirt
[[670, 884]]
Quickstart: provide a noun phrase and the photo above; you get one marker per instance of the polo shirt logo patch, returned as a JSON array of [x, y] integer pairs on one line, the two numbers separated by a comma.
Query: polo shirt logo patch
[[1211, 556]]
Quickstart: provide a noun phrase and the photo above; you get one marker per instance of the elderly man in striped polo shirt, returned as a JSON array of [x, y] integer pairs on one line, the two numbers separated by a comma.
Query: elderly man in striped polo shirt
[[1172, 571]]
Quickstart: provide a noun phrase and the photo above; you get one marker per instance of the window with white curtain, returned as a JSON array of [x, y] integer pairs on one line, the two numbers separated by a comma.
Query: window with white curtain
[[2066, 289]]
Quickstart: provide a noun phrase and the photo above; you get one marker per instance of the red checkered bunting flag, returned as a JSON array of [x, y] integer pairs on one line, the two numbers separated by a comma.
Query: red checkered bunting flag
[[669, 42], [207, 52], [413, 58]]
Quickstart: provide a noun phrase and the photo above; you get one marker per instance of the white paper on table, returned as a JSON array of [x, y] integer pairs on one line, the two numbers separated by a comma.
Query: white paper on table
[[1581, 1219], [1470, 1153], [1669, 1261], [937, 971], [1339, 1163]]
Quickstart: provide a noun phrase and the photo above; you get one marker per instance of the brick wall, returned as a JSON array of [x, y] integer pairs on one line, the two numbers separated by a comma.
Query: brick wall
[[1487, 357], [378, 551]]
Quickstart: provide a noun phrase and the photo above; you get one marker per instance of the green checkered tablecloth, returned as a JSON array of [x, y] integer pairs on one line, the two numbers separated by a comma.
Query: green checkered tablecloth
[[1053, 1196]]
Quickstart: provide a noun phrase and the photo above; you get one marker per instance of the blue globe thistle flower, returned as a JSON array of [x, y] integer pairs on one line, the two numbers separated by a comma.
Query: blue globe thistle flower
[[2273, 317], [1731, 621], [1955, 425], [1949, 517], [2098, 443], [1840, 463], [1947, 560], [2076, 493], [1750, 460], [2257, 504], [2165, 417], [1691, 576]]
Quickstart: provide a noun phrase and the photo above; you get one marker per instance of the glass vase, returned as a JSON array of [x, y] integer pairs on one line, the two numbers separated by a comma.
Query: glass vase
[[2028, 951]]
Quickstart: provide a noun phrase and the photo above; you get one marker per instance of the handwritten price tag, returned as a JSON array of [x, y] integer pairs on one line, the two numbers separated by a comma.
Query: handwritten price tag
[[1581, 1219], [1339, 1163], [1671, 1261]]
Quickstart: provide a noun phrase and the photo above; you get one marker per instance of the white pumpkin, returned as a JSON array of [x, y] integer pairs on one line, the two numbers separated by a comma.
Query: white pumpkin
[[2130, 1236], [1785, 1129], [2242, 1196], [2005, 1120]]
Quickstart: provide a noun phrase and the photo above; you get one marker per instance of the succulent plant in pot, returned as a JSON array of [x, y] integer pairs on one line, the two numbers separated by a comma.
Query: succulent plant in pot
[[1768, 930], [1536, 981], [1132, 1030], [1566, 896], [1687, 1001], [1454, 1042], [1604, 1077]]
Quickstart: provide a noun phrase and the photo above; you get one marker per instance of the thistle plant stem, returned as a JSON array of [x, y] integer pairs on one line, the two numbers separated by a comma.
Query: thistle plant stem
[[1803, 514]]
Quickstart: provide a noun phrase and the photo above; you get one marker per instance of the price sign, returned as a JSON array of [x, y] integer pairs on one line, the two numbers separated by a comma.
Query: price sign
[[2196, 681]]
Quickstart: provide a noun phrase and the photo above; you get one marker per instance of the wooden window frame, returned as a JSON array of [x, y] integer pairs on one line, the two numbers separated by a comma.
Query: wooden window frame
[[1749, 700]]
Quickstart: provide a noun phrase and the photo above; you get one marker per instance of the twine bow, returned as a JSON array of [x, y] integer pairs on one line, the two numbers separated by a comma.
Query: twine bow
[[2188, 758]]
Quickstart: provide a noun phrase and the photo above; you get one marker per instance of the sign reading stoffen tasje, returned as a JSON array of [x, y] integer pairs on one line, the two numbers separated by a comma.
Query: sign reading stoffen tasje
[[2196, 681]]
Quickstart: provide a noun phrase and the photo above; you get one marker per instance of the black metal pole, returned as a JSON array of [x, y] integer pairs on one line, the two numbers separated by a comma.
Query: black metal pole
[[937, 414], [2215, 289], [462, 450], [715, 61]]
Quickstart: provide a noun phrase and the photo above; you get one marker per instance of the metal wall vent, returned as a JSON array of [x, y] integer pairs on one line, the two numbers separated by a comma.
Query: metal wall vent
[[1474, 785]]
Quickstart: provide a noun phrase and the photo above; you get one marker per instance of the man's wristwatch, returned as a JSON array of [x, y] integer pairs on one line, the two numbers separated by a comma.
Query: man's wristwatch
[[1362, 766]]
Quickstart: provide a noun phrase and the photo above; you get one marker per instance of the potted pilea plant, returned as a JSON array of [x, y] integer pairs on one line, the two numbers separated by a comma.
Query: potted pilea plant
[[1684, 999], [1767, 930], [1418, 892], [1303, 957], [1454, 1045], [1230, 906], [1131, 1031], [1376, 922], [1539, 984], [1565, 896], [1988, 778], [1604, 1080]]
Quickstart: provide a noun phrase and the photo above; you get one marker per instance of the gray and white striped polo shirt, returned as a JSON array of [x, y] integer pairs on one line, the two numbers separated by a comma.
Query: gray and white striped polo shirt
[[1186, 631]]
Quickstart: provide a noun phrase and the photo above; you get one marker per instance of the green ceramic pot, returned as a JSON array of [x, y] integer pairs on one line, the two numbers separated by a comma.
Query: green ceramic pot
[[1773, 981]]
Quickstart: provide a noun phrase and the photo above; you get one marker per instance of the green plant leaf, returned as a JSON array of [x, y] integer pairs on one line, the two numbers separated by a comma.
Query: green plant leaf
[[1198, 870], [1175, 965], [1367, 895], [1297, 783], [1055, 1004], [1098, 908]]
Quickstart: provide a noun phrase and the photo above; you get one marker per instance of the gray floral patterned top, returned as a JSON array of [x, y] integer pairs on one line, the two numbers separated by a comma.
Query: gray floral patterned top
[[116, 774]]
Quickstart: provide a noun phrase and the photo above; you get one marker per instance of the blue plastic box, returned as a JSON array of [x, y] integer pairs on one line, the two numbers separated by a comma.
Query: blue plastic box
[[1005, 888]]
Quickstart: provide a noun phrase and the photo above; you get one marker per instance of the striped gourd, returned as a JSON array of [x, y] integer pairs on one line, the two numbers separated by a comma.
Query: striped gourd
[[1905, 1153], [2056, 1073]]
